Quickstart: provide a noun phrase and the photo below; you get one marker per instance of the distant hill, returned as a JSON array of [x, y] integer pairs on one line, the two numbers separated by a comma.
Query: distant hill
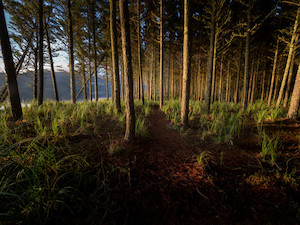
[[25, 82]]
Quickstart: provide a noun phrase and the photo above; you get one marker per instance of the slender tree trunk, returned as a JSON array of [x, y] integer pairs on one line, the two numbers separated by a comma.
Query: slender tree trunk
[[253, 84], [140, 53], [35, 75], [122, 79], [221, 79], [161, 66], [128, 75], [247, 59], [41, 53], [106, 75], [227, 81], [294, 106], [236, 93], [186, 64], [115, 54], [154, 83], [51, 65], [95, 52], [288, 63], [71, 52], [273, 74], [11, 77], [210, 60], [263, 85], [152, 71], [288, 87], [90, 63], [214, 68], [83, 78]]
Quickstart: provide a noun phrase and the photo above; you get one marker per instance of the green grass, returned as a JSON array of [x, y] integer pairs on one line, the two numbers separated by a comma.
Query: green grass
[[43, 171]]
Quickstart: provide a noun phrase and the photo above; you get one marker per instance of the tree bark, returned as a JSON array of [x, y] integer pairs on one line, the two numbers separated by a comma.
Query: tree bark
[[41, 53], [11, 76], [161, 66], [128, 75], [71, 52], [186, 64], [288, 63], [210, 60], [294, 106], [95, 52], [273, 74], [221, 79], [115, 54], [288, 87], [236, 93], [247, 59], [35, 75]]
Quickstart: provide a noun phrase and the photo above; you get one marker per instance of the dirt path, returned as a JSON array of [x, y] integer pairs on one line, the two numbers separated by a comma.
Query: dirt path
[[169, 186]]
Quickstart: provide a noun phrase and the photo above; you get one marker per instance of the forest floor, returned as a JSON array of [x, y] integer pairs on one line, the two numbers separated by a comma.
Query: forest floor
[[84, 172], [162, 182]]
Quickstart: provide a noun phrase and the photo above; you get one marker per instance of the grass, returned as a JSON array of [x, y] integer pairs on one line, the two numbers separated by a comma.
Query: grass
[[45, 171]]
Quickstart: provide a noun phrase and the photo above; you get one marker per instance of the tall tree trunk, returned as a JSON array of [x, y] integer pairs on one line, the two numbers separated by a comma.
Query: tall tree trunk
[[122, 79], [288, 63], [11, 77], [140, 53], [273, 74], [152, 71], [35, 75], [263, 84], [288, 87], [186, 64], [95, 52], [51, 65], [71, 52], [161, 66], [214, 68], [294, 106], [210, 60], [106, 75], [154, 82], [115, 54], [227, 81], [83, 78], [221, 79], [254, 84], [236, 93], [128, 75], [41, 53], [247, 59]]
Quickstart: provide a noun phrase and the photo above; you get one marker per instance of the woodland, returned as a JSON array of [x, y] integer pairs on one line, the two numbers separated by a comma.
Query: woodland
[[200, 123]]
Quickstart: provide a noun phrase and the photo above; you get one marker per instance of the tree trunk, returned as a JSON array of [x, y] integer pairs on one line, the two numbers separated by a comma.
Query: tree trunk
[[288, 87], [128, 75], [106, 75], [51, 65], [41, 53], [214, 68], [11, 77], [140, 54], [273, 74], [263, 85], [294, 106], [95, 52], [115, 54], [35, 75], [186, 64], [83, 78], [221, 79], [247, 59], [71, 52], [210, 60], [154, 82], [236, 93], [288, 63], [161, 66]]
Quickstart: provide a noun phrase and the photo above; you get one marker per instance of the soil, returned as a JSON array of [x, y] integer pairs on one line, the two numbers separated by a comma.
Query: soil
[[160, 180]]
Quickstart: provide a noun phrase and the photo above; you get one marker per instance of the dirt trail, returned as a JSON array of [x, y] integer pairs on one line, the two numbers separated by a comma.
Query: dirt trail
[[169, 186]]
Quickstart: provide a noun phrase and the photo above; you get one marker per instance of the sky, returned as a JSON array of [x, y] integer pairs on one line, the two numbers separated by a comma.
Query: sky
[[60, 62]]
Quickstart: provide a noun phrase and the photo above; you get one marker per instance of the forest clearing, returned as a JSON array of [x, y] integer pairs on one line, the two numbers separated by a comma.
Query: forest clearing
[[152, 112]]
